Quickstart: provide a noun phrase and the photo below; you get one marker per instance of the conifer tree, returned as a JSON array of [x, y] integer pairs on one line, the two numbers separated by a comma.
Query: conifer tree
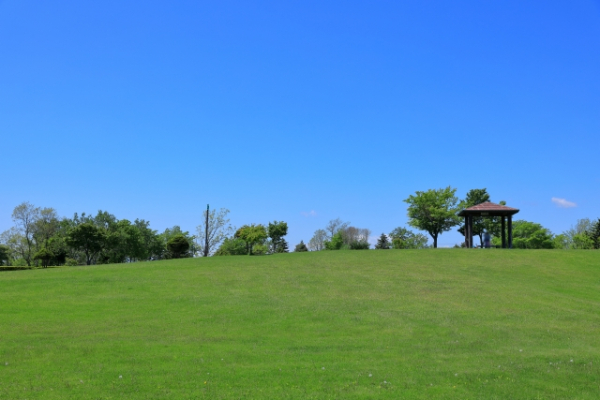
[[382, 242], [300, 247]]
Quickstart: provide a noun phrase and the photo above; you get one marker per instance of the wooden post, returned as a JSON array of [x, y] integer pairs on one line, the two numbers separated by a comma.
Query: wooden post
[[469, 240], [510, 231], [467, 232], [503, 232], [471, 230]]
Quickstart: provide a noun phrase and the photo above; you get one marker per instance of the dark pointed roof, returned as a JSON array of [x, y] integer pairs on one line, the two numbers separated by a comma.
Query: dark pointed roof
[[488, 208]]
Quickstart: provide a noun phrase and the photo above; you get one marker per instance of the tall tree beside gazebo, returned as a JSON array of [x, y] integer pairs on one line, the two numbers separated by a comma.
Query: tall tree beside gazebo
[[433, 211]]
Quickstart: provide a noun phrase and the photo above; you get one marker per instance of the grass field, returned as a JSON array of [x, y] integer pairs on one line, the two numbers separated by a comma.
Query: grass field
[[447, 324]]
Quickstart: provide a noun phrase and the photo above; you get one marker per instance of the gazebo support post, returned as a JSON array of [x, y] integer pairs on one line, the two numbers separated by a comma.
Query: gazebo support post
[[471, 231], [467, 244], [503, 232], [510, 232]]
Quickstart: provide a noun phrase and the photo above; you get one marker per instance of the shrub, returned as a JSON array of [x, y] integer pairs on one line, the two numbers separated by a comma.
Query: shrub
[[336, 242], [178, 246], [359, 245], [232, 247]]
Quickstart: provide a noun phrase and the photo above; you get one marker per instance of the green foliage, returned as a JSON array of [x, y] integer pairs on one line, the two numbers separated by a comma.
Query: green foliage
[[251, 235], [595, 234], [44, 256], [70, 262], [529, 235], [433, 211], [403, 238], [260, 249], [276, 231], [178, 246], [87, 238], [582, 241], [151, 242], [232, 247], [559, 242], [282, 246], [4, 254], [300, 247], [336, 242], [359, 245], [383, 242]]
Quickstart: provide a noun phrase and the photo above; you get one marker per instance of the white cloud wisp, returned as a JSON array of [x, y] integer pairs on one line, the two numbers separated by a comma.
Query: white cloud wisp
[[563, 203]]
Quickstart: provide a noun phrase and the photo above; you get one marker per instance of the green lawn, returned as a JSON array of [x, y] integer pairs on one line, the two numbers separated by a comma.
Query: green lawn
[[447, 324]]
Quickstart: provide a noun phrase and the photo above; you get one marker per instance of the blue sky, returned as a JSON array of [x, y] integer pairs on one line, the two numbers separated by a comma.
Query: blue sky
[[301, 111]]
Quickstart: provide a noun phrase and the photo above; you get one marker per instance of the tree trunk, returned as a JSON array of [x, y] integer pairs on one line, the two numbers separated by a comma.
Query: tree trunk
[[435, 241]]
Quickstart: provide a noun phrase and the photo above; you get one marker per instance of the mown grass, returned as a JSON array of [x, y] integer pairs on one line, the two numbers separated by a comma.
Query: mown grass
[[447, 324]]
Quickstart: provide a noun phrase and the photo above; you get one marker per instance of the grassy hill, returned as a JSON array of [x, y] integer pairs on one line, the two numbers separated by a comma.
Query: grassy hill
[[452, 323]]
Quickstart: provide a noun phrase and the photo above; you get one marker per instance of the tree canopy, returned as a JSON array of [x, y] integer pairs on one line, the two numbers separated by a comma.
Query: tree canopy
[[433, 211]]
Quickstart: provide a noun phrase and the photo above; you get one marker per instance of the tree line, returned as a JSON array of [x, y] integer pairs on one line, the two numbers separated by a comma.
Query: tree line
[[40, 238]]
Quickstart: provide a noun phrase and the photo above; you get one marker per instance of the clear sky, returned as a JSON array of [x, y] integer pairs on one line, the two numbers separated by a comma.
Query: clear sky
[[301, 111]]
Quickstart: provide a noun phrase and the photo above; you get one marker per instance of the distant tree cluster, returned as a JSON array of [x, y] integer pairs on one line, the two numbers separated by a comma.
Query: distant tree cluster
[[256, 239], [339, 235], [40, 237]]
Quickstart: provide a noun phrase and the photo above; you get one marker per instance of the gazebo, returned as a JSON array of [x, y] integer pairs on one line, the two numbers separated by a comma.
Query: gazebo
[[488, 209]]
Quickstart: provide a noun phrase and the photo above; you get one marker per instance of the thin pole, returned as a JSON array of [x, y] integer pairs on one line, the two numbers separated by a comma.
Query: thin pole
[[503, 232], [206, 234], [510, 233]]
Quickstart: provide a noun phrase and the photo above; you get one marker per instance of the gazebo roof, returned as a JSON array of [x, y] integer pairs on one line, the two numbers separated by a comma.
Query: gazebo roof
[[488, 208]]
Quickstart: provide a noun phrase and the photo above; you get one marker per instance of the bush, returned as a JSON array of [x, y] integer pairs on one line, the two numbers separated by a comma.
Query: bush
[[44, 255], [336, 242], [232, 247], [359, 245], [70, 262], [178, 246], [529, 235]]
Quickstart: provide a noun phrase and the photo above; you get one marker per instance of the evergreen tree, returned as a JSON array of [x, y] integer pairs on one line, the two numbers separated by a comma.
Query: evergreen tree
[[300, 247], [382, 242], [282, 246], [595, 234]]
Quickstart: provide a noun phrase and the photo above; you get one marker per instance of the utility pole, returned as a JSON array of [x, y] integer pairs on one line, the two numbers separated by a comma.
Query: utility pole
[[206, 234]]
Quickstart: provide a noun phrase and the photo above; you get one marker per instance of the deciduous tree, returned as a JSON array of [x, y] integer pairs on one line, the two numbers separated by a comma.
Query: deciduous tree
[[317, 242], [334, 226], [403, 238], [251, 235], [276, 231], [433, 211], [25, 215], [219, 228], [88, 238]]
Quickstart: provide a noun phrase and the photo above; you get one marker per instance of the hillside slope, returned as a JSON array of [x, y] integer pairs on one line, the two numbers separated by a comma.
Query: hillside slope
[[447, 323]]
